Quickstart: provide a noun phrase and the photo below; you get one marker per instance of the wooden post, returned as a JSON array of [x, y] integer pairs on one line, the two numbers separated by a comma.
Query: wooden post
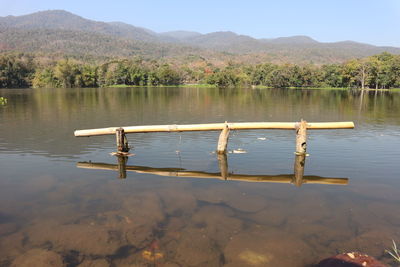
[[122, 166], [223, 139], [299, 163], [301, 137], [122, 141], [223, 165]]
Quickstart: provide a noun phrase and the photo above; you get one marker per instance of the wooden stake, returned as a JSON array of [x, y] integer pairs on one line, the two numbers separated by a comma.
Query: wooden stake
[[223, 165], [301, 137], [223, 139], [299, 163], [122, 141]]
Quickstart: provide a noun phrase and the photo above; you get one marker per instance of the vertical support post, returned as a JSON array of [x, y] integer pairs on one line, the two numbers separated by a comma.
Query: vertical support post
[[223, 165], [301, 137], [223, 139], [122, 166], [299, 163], [122, 141]]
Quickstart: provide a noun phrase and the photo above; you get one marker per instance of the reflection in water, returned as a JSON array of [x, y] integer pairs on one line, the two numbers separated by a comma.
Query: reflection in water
[[297, 178]]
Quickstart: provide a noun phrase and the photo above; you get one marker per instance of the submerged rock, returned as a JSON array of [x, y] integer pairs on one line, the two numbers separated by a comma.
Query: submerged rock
[[218, 223], [11, 246], [86, 239], [140, 236], [94, 263], [143, 209], [178, 201], [38, 258], [196, 248], [232, 197], [274, 214], [8, 228], [262, 246]]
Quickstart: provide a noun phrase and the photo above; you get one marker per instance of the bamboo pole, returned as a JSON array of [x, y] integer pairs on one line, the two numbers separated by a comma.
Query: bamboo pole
[[178, 172], [215, 127]]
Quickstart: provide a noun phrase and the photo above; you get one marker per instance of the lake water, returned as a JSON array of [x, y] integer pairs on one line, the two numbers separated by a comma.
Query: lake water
[[55, 211]]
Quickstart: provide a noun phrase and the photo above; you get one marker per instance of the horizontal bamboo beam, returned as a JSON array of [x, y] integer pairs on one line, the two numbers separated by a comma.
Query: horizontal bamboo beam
[[215, 127], [178, 172]]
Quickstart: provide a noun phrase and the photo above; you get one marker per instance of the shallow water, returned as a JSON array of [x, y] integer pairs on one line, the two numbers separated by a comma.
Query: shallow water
[[55, 212]]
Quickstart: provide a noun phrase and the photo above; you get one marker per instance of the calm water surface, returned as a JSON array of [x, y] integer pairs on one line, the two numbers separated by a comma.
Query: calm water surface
[[56, 211]]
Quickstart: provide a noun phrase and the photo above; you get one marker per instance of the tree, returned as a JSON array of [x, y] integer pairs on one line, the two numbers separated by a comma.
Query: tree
[[65, 72], [45, 78], [86, 76], [261, 72], [351, 74], [224, 78], [15, 71], [331, 75], [279, 77], [167, 76]]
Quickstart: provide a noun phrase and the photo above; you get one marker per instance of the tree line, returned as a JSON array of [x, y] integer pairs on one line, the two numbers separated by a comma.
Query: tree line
[[22, 70]]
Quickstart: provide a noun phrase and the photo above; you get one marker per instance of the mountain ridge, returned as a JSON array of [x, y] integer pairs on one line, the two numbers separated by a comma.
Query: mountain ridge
[[26, 33]]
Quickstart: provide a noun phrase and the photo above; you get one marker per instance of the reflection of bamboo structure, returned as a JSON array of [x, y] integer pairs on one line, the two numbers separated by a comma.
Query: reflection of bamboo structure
[[298, 179]]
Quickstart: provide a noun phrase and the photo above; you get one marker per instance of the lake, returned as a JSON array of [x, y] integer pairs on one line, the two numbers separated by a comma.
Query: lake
[[63, 201]]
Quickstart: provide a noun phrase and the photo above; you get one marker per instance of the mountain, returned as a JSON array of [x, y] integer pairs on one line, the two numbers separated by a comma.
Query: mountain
[[180, 35], [63, 20], [90, 45], [299, 40], [61, 32]]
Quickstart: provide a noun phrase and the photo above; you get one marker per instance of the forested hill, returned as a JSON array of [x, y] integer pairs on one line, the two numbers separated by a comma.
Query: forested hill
[[63, 33]]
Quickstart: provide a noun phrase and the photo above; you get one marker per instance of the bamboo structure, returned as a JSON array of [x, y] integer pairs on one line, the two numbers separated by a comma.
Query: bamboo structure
[[300, 127], [182, 173]]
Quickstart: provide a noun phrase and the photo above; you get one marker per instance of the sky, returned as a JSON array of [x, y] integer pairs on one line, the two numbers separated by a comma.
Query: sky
[[369, 21]]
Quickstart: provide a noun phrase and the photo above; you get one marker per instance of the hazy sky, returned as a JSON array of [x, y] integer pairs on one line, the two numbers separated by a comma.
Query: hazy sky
[[370, 21]]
